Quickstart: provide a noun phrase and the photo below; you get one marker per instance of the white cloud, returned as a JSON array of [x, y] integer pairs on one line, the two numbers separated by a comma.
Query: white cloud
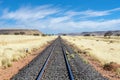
[[46, 18], [88, 13], [27, 13], [72, 26], [92, 13], [60, 19]]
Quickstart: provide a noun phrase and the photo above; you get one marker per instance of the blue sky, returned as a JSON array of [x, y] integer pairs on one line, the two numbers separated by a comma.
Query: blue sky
[[58, 16]]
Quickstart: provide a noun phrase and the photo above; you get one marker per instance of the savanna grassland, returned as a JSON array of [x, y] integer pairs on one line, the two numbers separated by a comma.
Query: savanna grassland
[[104, 49], [102, 53], [13, 48]]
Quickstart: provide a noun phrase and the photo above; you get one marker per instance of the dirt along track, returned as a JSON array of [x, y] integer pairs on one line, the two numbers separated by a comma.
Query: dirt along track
[[56, 69]]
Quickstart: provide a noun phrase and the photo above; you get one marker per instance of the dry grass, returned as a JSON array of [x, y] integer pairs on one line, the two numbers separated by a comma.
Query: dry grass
[[13, 48], [102, 49]]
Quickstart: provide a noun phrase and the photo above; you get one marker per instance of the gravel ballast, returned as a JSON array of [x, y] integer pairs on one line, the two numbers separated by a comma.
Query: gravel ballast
[[56, 67]]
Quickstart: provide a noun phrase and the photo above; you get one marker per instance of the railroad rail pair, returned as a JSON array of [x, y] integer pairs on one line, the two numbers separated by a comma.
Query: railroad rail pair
[[70, 74]]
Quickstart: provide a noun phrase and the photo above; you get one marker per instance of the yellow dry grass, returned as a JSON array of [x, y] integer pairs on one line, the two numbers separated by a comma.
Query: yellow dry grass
[[105, 50], [13, 47]]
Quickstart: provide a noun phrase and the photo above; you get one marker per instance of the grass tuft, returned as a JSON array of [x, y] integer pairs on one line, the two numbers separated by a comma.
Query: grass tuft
[[118, 71], [72, 56]]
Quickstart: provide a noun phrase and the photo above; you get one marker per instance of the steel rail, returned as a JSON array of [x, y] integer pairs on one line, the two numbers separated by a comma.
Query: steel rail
[[67, 63], [45, 64], [70, 74]]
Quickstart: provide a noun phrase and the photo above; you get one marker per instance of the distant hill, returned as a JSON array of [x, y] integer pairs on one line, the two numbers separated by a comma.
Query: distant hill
[[19, 32], [94, 33], [100, 33]]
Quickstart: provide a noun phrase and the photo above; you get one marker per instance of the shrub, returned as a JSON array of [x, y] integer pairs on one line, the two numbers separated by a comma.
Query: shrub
[[109, 33], [64, 34], [68, 57], [6, 62], [85, 61], [118, 71], [112, 66], [87, 35], [111, 42], [15, 57], [9, 64], [16, 33], [36, 34], [92, 35], [72, 56], [97, 40], [22, 33], [117, 35], [44, 35]]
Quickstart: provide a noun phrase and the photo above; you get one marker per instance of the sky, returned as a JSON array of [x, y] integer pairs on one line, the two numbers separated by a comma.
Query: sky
[[60, 16]]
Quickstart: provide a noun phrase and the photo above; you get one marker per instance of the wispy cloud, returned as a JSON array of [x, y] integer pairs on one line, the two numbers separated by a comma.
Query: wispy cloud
[[60, 19], [50, 19], [26, 13], [92, 13], [72, 26]]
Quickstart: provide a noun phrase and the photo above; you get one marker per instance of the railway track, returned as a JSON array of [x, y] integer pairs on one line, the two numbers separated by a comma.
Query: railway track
[[53, 64], [63, 53]]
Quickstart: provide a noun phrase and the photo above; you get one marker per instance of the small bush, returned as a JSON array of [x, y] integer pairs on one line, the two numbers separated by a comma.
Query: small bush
[[72, 56], [79, 51], [97, 40], [108, 33], [84, 52], [118, 71], [112, 66], [117, 35], [68, 57], [111, 42], [15, 57], [64, 34], [22, 33], [34, 49], [6, 63], [36, 34], [85, 61], [16, 33], [67, 52], [87, 35], [44, 35], [9, 64]]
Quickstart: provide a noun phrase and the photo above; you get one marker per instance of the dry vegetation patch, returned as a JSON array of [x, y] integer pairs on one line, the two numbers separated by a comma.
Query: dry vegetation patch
[[13, 48], [102, 52]]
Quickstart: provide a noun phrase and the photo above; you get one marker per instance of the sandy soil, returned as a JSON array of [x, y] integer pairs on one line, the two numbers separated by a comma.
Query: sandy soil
[[6, 74]]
